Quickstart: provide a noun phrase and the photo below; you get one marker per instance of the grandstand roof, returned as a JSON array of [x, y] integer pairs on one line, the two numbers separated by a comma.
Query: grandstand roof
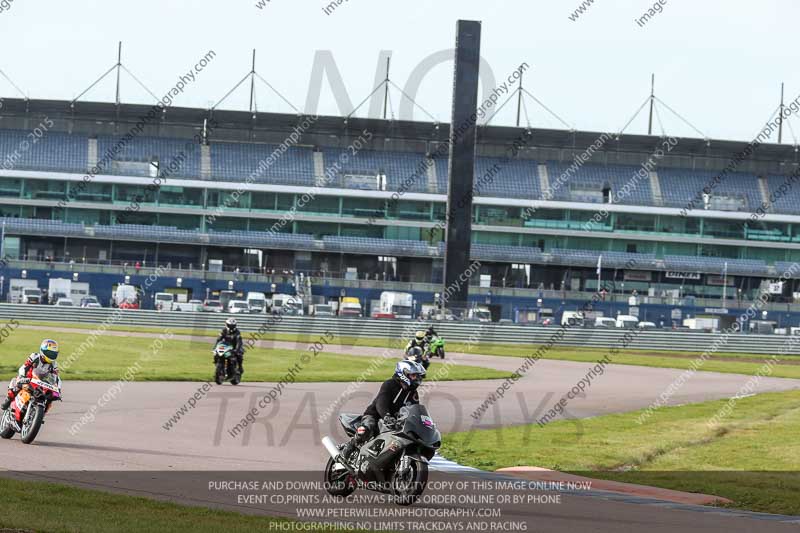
[[96, 118]]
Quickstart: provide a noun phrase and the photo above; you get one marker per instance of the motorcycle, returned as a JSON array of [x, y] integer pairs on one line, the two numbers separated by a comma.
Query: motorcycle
[[26, 413], [227, 368], [394, 462], [418, 355], [435, 348]]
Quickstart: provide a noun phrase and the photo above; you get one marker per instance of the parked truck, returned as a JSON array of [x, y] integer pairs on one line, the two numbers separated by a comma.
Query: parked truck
[[126, 297], [78, 291], [256, 302], [59, 288], [399, 304], [480, 313], [286, 304], [350, 307], [164, 301], [17, 288]]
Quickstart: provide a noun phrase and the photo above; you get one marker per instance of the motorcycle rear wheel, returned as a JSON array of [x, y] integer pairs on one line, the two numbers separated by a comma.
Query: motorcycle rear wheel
[[34, 423], [410, 488], [6, 431]]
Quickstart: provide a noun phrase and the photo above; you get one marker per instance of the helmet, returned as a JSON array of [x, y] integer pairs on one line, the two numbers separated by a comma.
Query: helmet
[[420, 335], [414, 353], [230, 324], [409, 372], [48, 350]]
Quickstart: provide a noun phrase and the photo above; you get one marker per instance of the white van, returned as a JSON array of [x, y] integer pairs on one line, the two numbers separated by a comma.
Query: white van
[[238, 306], [605, 322], [164, 301], [572, 318], [627, 322]]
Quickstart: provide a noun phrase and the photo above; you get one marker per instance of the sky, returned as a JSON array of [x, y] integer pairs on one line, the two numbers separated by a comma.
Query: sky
[[718, 63]]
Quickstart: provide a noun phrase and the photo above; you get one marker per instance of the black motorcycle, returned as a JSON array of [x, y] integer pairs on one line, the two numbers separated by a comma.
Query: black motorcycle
[[394, 462], [418, 355]]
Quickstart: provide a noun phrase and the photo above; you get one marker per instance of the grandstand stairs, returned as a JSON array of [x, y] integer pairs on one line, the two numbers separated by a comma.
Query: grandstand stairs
[[544, 179], [431, 174], [91, 152], [655, 186], [319, 169], [763, 188]]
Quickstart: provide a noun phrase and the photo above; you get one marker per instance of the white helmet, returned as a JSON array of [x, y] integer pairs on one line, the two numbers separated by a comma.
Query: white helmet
[[409, 372]]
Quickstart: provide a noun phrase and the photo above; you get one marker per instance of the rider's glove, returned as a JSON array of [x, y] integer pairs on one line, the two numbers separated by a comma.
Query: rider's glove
[[389, 420], [23, 381]]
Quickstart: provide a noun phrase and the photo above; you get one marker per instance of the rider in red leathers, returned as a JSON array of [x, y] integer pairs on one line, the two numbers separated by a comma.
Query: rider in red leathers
[[43, 361]]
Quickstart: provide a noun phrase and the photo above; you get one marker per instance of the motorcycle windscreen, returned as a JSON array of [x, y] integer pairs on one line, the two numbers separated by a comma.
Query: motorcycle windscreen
[[419, 422]]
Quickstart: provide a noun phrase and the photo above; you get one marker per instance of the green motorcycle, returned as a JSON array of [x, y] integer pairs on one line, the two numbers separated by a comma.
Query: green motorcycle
[[436, 348], [227, 365]]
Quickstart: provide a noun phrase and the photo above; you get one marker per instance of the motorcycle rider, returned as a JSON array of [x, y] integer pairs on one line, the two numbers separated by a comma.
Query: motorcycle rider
[[396, 392], [418, 341], [43, 361], [430, 334], [231, 336]]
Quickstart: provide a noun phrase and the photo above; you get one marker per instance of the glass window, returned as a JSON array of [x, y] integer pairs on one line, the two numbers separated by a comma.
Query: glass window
[[135, 193], [45, 189], [10, 187], [180, 196]]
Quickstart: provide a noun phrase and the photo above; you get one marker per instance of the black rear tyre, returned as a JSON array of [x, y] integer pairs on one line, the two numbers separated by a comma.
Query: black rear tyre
[[6, 431]]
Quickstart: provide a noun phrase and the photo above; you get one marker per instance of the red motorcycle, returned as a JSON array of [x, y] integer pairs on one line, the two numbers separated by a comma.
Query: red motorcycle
[[26, 413]]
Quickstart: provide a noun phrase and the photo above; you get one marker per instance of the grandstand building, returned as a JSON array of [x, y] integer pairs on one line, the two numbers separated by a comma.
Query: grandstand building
[[360, 205]]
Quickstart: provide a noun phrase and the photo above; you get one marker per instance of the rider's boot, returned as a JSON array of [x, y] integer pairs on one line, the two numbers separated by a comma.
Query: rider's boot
[[358, 439], [6, 403]]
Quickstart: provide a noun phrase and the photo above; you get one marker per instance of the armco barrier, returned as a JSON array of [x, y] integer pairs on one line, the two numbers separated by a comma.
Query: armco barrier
[[356, 327]]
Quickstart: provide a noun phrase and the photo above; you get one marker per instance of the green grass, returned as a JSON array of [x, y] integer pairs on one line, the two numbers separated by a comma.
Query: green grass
[[650, 358], [751, 457], [184, 360], [69, 509]]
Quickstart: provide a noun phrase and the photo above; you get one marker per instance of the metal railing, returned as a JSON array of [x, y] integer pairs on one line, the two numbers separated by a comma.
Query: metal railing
[[485, 333]]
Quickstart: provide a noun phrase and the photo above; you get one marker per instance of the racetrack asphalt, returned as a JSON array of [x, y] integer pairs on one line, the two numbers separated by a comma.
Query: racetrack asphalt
[[126, 448]]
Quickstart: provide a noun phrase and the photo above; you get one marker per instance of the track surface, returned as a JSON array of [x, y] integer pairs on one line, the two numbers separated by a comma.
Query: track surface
[[128, 434]]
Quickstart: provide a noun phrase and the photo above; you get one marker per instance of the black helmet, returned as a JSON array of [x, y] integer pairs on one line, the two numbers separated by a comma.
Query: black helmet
[[230, 324]]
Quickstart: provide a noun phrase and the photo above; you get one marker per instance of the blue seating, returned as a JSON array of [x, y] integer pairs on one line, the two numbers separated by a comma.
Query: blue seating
[[52, 151], [238, 161], [184, 159], [611, 259], [716, 265], [586, 183], [739, 190]]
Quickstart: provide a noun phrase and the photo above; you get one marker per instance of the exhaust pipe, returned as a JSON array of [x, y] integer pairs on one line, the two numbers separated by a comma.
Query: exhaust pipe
[[331, 447]]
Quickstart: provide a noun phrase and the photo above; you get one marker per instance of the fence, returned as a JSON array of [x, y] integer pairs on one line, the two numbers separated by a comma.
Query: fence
[[687, 341]]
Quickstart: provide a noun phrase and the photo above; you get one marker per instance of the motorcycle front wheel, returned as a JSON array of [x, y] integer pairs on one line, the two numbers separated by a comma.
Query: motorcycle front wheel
[[6, 430], [338, 482], [32, 423], [408, 481], [219, 376]]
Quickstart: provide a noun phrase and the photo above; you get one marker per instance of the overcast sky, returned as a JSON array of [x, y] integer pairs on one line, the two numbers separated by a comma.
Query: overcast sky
[[719, 63]]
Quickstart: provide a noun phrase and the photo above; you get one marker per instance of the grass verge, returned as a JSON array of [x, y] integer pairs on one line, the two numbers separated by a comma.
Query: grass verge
[[752, 456], [726, 362], [183, 360], [71, 509]]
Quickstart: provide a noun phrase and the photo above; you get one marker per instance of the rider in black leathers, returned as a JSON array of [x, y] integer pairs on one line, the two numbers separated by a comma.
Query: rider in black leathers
[[231, 336], [396, 392]]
